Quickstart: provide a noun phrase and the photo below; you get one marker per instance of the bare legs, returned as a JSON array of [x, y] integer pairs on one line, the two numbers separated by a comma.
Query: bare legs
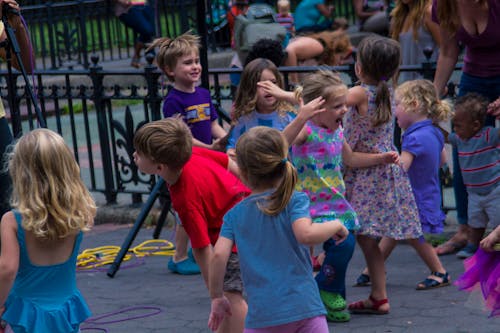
[[181, 243]]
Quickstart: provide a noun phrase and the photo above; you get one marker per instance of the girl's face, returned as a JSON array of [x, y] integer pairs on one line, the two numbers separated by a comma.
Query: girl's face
[[336, 108], [187, 70], [404, 114], [266, 102]]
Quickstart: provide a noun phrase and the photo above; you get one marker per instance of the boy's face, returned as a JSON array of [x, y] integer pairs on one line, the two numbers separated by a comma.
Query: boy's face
[[463, 125], [145, 164], [187, 70]]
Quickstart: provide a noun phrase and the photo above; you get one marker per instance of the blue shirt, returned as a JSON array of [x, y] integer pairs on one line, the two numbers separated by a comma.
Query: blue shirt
[[425, 142], [479, 159], [275, 268], [274, 120], [307, 14]]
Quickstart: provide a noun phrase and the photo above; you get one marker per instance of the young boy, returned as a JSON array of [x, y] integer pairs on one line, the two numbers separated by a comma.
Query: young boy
[[202, 191], [179, 59], [479, 156]]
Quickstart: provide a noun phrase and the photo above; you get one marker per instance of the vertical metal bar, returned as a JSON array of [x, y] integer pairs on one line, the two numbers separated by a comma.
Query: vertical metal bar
[[202, 29]]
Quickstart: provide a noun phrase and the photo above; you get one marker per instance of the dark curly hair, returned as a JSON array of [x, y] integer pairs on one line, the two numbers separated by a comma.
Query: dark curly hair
[[268, 49]]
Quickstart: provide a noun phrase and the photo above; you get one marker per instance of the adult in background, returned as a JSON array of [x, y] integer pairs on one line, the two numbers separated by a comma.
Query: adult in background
[[372, 16], [475, 24], [138, 15], [26, 53], [313, 16]]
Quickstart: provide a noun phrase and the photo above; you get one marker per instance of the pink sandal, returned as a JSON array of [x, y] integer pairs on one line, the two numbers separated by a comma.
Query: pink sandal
[[362, 308]]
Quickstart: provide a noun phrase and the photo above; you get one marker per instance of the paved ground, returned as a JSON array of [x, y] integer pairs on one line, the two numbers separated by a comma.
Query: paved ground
[[180, 304]]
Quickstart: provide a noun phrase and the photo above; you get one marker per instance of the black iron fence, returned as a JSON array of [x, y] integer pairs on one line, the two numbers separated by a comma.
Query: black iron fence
[[97, 111]]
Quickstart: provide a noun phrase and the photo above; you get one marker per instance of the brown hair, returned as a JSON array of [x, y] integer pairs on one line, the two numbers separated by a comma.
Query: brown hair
[[379, 58], [415, 13], [167, 141], [170, 50], [423, 93], [261, 154], [334, 42], [447, 13], [246, 95]]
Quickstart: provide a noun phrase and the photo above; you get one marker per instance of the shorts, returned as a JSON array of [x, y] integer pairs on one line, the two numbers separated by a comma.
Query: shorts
[[232, 278], [316, 324], [483, 210]]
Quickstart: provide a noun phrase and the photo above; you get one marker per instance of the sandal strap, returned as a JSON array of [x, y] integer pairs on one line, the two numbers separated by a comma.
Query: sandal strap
[[443, 276], [378, 303]]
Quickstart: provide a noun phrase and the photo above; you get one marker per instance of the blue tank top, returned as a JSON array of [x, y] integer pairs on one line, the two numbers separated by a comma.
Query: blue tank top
[[45, 298]]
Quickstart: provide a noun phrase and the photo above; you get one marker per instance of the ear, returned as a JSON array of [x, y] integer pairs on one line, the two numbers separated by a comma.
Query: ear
[[168, 71]]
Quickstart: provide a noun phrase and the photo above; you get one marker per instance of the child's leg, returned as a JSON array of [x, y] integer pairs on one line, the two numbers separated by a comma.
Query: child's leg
[[386, 246], [239, 308], [438, 277], [180, 262], [181, 243], [475, 235], [377, 301]]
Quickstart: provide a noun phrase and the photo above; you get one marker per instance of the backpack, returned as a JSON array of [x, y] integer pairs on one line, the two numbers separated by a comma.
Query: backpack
[[258, 22]]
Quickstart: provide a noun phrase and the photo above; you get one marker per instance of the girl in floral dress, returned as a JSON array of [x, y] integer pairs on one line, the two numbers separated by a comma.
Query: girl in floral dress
[[381, 195]]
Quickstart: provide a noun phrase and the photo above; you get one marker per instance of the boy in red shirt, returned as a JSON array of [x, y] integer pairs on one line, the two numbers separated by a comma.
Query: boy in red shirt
[[202, 188]]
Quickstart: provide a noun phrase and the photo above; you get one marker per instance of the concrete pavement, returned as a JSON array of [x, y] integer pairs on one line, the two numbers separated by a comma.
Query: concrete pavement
[[180, 304]]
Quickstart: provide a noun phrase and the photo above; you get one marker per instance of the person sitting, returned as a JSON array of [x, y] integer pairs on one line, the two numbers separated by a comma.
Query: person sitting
[[313, 16], [372, 16]]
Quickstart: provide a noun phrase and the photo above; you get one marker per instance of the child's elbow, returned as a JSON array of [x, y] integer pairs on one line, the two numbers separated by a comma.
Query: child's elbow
[[307, 238], [8, 272]]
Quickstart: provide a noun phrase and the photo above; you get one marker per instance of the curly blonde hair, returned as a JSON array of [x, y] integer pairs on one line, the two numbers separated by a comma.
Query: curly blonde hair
[[47, 188]]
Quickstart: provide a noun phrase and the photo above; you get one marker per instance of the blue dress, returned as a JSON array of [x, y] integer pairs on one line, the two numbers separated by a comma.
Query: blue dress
[[45, 298]]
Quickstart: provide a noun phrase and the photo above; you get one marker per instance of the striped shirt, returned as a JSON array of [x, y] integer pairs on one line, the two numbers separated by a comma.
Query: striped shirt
[[479, 159], [286, 21]]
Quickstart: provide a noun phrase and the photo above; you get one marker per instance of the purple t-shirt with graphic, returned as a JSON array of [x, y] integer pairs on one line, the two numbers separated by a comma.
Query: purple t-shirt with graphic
[[195, 108]]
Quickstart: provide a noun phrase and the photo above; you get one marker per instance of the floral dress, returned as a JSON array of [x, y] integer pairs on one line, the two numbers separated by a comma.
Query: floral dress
[[381, 195], [318, 162]]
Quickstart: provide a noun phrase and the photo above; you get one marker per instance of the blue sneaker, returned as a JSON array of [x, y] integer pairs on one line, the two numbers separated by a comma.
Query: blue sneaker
[[467, 251], [185, 267]]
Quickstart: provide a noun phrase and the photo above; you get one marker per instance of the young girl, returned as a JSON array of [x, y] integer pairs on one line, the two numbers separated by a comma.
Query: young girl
[[380, 195], [254, 106], [41, 237], [317, 153], [412, 26], [418, 111], [273, 231]]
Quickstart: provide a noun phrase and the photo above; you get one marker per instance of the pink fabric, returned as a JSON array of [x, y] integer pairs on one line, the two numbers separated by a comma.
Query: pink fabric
[[482, 270], [315, 324]]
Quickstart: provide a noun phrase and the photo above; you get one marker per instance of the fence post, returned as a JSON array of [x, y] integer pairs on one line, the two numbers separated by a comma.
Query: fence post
[[83, 31], [96, 76], [428, 70], [14, 105], [153, 97]]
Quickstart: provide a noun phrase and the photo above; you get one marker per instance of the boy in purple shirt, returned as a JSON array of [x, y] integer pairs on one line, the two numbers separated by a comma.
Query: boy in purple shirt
[[179, 59]]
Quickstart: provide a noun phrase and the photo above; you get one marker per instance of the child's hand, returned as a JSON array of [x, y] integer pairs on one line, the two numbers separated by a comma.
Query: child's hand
[[391, 157], [311, 109], [341, 235], [219, 144], [489, 242], [494, 108], [220, 309], [273, 89]]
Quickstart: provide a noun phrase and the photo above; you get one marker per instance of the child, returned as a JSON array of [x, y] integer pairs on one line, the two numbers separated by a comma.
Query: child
[[418, 111], [179, 59], [273, 230], [202, 191], [254, 106], [484, 269], [478, 153], [380, 195], [317, 153], [41, 237], [285, 18], [412, 26]]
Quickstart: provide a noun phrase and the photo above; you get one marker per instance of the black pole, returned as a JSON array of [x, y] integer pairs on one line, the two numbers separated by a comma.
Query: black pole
[[201, 7]]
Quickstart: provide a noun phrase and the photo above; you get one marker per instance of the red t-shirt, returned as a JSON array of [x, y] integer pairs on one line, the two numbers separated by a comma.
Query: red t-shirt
[[203, 194]]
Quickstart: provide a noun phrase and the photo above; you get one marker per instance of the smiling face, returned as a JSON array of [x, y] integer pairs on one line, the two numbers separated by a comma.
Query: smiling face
[[187, 72], [336, 108], [266, 102]]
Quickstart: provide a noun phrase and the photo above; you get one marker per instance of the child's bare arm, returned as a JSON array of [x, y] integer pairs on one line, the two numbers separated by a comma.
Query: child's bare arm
[[273, 89], [203, 257], [309, 233], [489, 242], [9, 258], [406, 160], [305, 113], [365, 160], [220, 307], [217, 130]]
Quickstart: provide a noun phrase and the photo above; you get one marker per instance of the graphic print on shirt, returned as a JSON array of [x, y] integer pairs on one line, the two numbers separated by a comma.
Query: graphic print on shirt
[[197, 113]]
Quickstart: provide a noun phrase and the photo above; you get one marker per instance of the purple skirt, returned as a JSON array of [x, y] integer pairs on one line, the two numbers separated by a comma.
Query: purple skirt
[[483, 270]]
